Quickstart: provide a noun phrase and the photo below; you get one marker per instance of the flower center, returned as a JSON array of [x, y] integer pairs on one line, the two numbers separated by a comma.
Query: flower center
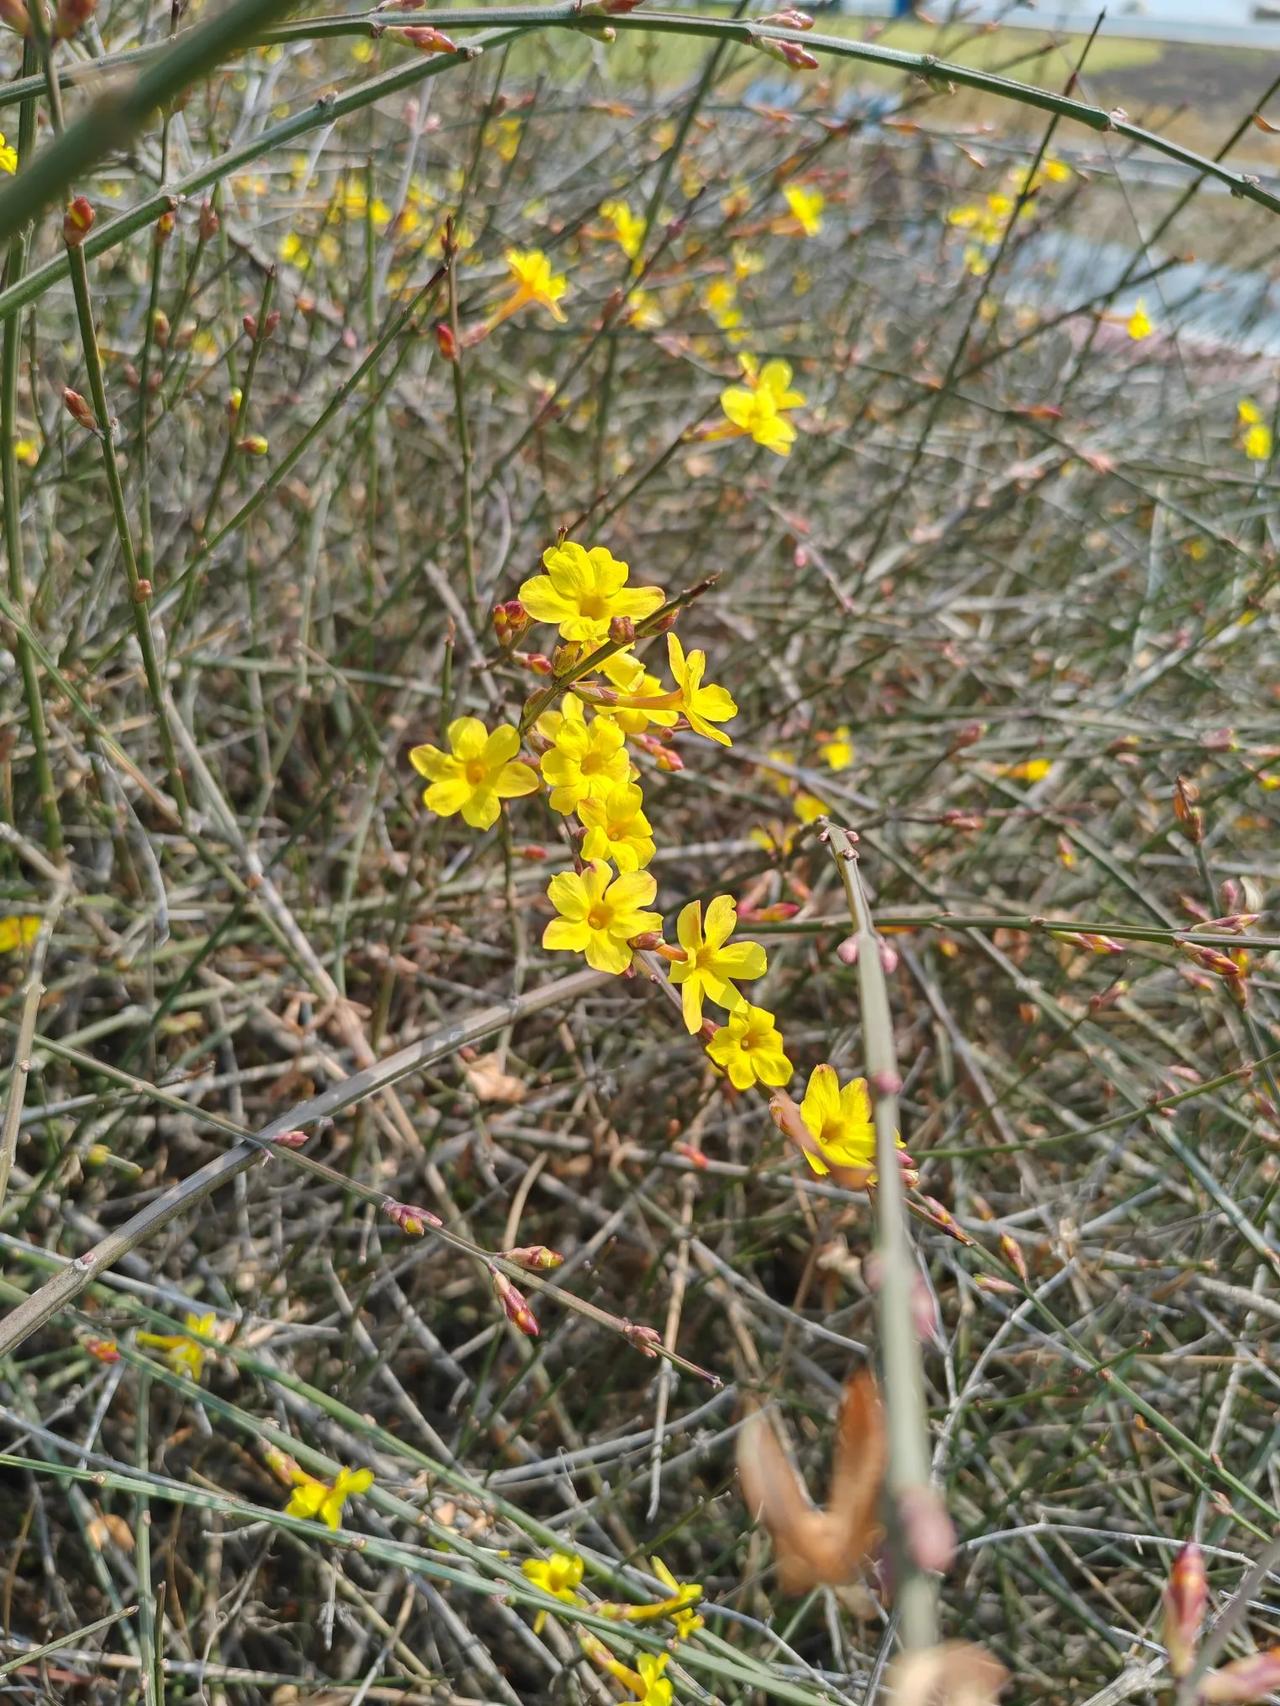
[[593, 605], [475, 772], [600, 917], [615, 831], [593, 764]]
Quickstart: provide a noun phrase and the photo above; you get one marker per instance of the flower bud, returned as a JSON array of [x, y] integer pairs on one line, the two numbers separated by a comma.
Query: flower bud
[[1185, 1600], [426, 39], [969, 735], [209, 224], [534, 1256], [409, 1218], [291, 1139], [565, 657], [446, 343], [253, 445], [235, 399], [14, 14], [926, 1528], [942, 1217], [160, 328], [106, 1350], [847, 952], [623, 630], [789, 52], [993, 1282], [1011, 1250], [646, 1339], [78, 408], [648, 940], [509, 621], [1251, 1678], [77, 221], [538, 662], [514, 1305], [164, 226], [71, 17], [1188, 814], [888, 957], [532, 852]]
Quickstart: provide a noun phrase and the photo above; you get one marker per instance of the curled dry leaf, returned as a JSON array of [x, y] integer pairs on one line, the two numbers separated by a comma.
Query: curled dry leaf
[[955, 1674], [490, 1083], [814, 1546]]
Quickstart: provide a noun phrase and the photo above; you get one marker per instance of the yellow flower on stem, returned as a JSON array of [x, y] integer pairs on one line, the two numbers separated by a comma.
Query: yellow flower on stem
[[702, 705], [476, 774], [628, 227], [631, 678], [1140, 324], [8, 156], [587, 759], [757, 409], [583, 590], [557, 1576], [183, 1353], [712, 966], [18, 930], [840, 1122], [319, 1501], [617, 828], [837, 749], [653, 1689], [1256, 441], [806, 207], [749, 1049], [683, 1597], [534, 282], [600, 914]]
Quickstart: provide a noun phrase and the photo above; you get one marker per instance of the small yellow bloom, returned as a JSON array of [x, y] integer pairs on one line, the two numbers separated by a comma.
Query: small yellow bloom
[[1140, 325], [476, 774], [654, 1689], [806, 207], [703, 706], [749, 1049], [587, 761], [687, 1594], [839, 1122], [1256, 440], [756, 409], [315, 1499], [746, 263], [184, 1354], [27, 451], [583, 590], [711, 966], [8, 156], [628, 227], [600, 913], [837, 749], [557, 1576], [617, 828], [534, 282], [17, 931], [1030, 770]]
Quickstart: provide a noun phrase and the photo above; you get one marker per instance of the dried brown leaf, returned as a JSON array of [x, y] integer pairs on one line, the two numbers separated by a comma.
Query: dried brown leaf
[[491, 1084]]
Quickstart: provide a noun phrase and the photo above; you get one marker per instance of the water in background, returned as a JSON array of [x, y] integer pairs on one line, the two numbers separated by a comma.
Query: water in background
[[1233, 23]]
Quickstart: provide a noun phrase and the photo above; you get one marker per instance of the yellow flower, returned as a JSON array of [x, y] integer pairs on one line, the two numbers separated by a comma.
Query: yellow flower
[[806, 207], [17, 931], [557, 1576], [711, 966], [703, 706], [808, 808], [583, 590], [8, 156], [840, 1123], [28, 451], [315, 1499], [746, 263], [628, 227], [654, 1689], [1030, 770], [184, 1354], [749, 1049], [630, 677], [1139, 325], [534, 282], [643, 310], [617, 828], [837, 749], [477, 773], [686, 1593], [721, 302], [600, 913], [756, 408], [586, 761], [1256, 442]]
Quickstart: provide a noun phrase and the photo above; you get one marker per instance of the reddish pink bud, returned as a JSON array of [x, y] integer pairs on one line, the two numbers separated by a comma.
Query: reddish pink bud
[[954, 818], [777, 912], [253, 445], [993, 1282], [106, 1350], [647, 940], [534, 1256], [888, 958], [78, 408], [885, 1083], [514, 1304], [942, 1217], [71, 17], [617, 8], [1188, 814], [426, 39], [848, 950], [969, 735], [668, 759], [1011, 1250], [446, 343], [1185, 1599], [537, 662], [164, 226], [927, 1530], [291, 1139], [623, 630], [410, 1218], [77, 221], [532, 852], [645, 1339], [209, 224], [1244, 1679], [510, 620], [691, 1153]]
